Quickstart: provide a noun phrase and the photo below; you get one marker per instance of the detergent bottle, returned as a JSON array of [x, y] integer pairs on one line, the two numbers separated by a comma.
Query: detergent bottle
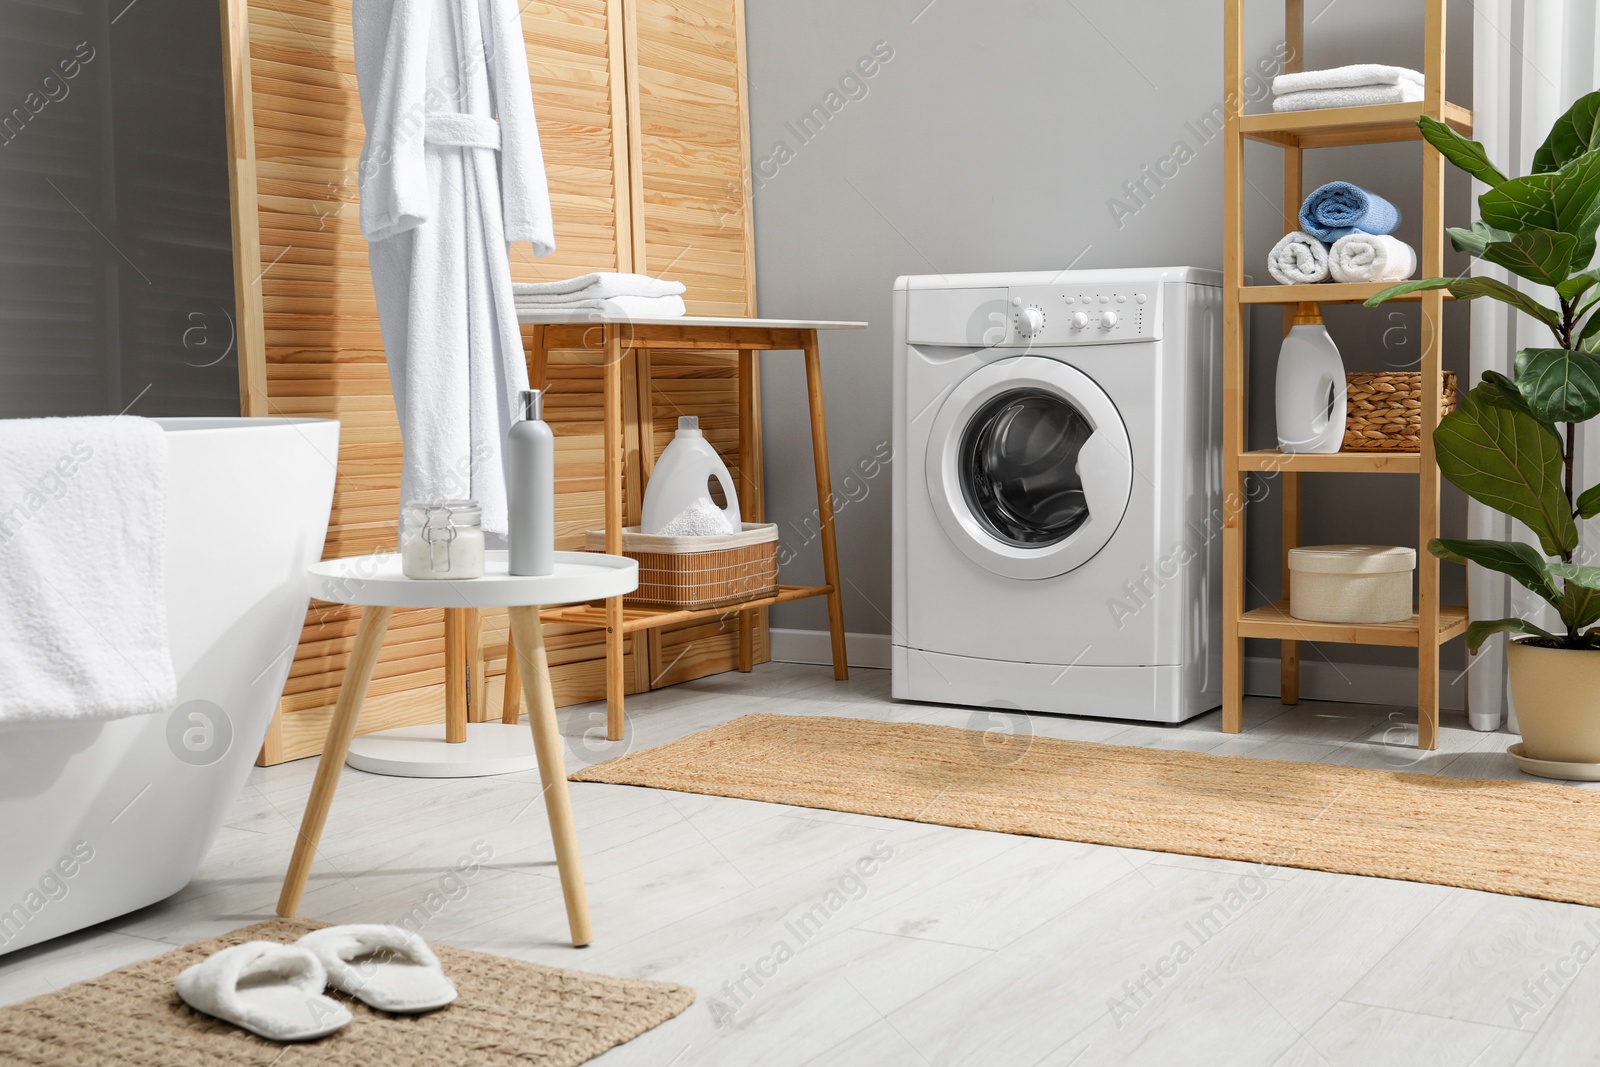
[[1311, 387], [677, 499]]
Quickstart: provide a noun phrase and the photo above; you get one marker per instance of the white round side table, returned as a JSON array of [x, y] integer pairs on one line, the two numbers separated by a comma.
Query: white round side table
[[377, 585]]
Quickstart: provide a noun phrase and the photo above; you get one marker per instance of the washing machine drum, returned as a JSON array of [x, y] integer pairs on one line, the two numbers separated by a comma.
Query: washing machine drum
[[1029, 467]]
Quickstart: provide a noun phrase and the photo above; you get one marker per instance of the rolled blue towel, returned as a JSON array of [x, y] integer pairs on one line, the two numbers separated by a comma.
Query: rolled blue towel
[[1340, 208]]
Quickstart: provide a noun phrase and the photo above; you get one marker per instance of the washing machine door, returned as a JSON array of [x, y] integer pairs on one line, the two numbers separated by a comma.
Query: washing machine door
[[1029, 467]]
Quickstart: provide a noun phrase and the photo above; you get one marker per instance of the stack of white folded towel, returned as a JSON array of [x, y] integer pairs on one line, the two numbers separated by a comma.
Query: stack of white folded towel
[[1357, 84], [636, 295]]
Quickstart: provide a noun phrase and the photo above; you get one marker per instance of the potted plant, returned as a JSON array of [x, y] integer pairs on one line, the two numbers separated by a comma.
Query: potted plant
[[1511, 442]]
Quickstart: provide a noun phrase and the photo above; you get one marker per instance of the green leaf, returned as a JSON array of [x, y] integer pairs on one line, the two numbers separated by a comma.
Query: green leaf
[[1505, 458], [1567, 200], [1559, 385], [1577, 574], [1522, 562], [1471, 289], [1577, 285], [1465, 154], [1573, 134], [1479, 632], [1543, 256], [1505, 394], [1580, 600], [1475, 240], [1589, 502]]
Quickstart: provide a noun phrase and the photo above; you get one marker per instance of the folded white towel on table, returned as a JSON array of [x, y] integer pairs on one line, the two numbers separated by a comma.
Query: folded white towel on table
[[1353, 96], [1298, 259], [83, 611], [638, 307], [1371, 257], [1347, 77], [600, 285]]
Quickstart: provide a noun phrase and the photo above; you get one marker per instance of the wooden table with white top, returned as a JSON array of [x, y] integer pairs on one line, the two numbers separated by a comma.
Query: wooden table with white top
[[618, 337]]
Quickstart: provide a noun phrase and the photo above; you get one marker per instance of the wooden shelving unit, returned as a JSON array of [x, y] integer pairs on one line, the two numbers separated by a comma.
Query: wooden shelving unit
[[1294, 133]]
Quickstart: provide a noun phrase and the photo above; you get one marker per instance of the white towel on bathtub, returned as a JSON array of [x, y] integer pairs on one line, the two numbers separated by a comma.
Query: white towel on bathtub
[[83, 610]]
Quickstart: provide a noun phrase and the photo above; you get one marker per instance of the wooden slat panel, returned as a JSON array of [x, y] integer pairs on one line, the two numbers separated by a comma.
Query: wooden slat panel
[[693, 158]]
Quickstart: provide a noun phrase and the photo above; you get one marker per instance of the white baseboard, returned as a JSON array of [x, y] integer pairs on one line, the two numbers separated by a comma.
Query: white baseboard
[[815, 646], [1356, 683]]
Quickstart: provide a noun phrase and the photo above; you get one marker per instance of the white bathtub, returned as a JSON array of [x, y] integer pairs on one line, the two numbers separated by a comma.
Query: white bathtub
[[97, 819]]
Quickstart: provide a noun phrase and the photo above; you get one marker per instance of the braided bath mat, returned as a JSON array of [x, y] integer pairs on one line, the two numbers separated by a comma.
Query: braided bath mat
[[1519, 838], [510, 1012]]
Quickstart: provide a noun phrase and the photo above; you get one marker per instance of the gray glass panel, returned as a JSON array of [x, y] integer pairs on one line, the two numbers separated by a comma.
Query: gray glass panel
[[1018, 461]]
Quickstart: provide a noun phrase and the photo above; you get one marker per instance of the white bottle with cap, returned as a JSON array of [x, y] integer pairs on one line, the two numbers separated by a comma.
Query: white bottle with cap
[[682, 478], [531, 489], [1311, 387]]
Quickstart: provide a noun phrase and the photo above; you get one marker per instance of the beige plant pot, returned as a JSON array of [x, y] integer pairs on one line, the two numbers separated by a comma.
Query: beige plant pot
[[1557, 693]]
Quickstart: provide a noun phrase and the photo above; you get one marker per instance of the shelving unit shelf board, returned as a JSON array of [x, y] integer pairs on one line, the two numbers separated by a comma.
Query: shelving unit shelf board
[[1320, 293], [1275, 623], [1336, 126], [1369, 462]]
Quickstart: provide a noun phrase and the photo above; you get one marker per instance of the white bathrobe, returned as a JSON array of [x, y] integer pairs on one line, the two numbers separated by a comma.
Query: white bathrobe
[[444, 189]]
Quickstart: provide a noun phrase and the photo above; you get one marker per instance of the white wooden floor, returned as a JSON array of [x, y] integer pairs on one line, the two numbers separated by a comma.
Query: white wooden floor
[[955, 946]]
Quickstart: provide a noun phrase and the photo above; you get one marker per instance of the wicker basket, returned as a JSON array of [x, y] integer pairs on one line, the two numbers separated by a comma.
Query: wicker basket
[[699, 572], [1384, 411]]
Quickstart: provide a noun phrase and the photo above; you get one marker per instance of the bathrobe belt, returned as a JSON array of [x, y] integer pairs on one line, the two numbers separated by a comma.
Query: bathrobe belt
[[465, 131]]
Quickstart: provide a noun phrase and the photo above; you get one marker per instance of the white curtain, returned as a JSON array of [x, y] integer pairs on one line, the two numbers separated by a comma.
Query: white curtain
[[1531, 60]]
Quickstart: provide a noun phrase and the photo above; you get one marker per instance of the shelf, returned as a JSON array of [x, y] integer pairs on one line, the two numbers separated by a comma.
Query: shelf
[[642, 617], [1367, 462], [1330, 127], [1321, 293], [1275, 622]]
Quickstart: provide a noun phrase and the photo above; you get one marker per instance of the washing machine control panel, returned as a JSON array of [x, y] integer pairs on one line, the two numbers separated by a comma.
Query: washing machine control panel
[[1074, 315]]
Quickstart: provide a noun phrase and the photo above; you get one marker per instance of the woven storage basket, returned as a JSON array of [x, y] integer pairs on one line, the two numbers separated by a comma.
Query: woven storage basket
[[1384, 411], [699, 572]]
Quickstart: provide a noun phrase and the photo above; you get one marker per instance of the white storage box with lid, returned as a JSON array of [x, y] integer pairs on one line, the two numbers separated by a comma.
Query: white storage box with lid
[[1351, 583]]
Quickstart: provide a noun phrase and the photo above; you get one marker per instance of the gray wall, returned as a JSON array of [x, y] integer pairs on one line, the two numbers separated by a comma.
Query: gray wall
[[116, 267], [993, 139]]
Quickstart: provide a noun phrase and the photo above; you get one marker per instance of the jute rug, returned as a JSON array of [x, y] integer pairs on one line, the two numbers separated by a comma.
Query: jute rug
[[1520, 838], [509, 1012]]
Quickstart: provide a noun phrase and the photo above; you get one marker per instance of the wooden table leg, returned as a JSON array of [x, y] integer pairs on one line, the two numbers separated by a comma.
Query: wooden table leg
[[511, 700], [613, 498], [830, 552], [749, 481], [528, 635], [477, 673], [346, 712], [455, 675]]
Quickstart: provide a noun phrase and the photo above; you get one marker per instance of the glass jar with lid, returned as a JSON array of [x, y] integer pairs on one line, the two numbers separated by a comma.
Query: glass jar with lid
[[441, 539]]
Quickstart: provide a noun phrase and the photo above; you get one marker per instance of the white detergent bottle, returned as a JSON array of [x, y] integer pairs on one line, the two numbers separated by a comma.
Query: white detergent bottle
[[681, 479], [1311, 387]]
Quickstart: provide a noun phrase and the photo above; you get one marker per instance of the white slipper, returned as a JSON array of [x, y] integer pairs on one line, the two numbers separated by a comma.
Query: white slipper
[[268, 988], [386, 967]]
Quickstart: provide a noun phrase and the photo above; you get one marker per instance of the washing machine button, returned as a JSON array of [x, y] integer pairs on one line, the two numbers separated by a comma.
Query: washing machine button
[[1079, 320], [1108, 319]]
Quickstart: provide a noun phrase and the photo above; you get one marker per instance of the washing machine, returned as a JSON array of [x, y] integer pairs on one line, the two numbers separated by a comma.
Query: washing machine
[[1057, 491]]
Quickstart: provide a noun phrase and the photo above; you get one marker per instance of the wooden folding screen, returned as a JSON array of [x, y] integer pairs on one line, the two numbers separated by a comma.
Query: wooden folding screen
[[643, 121]]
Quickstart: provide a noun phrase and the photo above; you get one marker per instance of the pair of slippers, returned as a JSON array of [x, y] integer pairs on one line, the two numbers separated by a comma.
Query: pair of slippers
[[275, 990]]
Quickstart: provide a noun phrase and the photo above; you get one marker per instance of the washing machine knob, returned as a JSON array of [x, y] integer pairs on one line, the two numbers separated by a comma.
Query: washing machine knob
[[1108, 319], [1080, 320], [1030, 321]]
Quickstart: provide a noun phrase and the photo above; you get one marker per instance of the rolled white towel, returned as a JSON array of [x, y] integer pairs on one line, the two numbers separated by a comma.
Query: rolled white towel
[[1354, 96], [599, 285], [1347, 77], [1371, 257], [1298, 259]]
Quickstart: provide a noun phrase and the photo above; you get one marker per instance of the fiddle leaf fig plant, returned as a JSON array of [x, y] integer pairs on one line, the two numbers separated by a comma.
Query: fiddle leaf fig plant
[[1512, 441]]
